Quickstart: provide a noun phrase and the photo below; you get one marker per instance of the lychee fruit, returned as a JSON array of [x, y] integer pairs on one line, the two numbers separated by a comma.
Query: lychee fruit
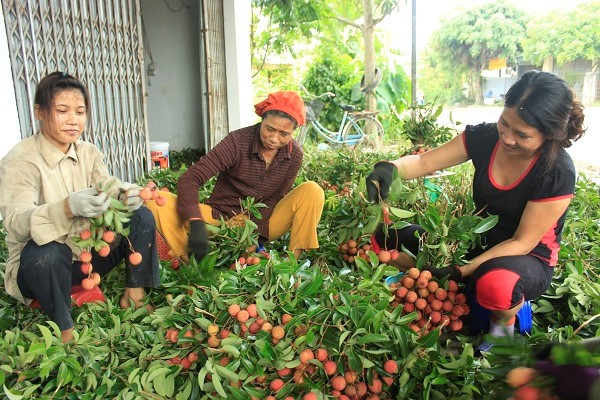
[[276, 384], [330, 367], [338, 383], [390, 366], [306, 355], [135, 258]]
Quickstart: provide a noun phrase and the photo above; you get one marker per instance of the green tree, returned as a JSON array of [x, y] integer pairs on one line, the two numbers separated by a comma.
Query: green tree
[[441, 81], [289, 20], [336, 73], [565, 36], [468, 41]]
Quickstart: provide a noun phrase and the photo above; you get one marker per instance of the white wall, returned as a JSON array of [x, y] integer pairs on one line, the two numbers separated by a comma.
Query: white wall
[[237, 18], [11, 133]]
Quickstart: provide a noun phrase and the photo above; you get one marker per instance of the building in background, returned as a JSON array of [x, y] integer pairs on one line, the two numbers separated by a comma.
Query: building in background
[[159, 71]]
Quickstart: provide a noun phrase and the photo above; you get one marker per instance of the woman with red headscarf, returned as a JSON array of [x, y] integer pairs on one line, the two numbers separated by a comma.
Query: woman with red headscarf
[[260, 161]]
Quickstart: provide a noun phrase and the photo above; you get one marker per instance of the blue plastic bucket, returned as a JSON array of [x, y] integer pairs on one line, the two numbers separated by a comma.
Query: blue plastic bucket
[[394, 278]]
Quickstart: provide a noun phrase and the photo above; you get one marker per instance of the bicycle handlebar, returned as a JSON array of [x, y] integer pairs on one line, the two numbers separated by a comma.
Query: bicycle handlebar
[[313, 96]]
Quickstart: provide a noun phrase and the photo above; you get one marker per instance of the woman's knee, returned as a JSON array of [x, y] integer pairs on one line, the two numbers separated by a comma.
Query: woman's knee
[[496, 289], [49, 253], [39, 260], [313, 191]]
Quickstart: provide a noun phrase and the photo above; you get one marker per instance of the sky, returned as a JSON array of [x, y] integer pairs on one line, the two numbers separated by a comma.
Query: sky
[[430, 12]]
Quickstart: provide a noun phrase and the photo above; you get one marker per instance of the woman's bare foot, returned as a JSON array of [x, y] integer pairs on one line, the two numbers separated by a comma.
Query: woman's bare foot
[[136, 295], [67, 335]]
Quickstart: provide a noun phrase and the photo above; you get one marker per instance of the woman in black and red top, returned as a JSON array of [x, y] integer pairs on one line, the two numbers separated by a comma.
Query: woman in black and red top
[[523, 175]]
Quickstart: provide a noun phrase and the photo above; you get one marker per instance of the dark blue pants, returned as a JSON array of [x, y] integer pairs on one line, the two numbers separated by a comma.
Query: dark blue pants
[[47, 272]]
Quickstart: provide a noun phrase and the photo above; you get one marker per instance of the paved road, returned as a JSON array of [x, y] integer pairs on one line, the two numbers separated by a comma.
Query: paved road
[[585, 151]]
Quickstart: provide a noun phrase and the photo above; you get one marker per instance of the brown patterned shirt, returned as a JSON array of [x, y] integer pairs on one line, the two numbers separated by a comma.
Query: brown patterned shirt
[[241, 173]]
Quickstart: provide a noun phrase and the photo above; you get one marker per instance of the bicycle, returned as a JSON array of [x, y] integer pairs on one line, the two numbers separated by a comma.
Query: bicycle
[[356, 127]]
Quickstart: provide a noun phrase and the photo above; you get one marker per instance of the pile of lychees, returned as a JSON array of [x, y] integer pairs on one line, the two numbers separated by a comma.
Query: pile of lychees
[[435, 304], [352, 249]]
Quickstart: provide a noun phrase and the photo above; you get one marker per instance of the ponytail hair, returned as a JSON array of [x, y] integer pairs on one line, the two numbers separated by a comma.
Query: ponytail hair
[[544, 101]]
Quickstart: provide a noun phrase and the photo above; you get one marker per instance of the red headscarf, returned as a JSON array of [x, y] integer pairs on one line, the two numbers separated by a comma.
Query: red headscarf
[[287, 101]]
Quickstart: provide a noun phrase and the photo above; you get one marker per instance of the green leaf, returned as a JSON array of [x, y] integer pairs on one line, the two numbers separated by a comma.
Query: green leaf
[[216, 381], [461, 362], [227, 374], [64, 375], [440, 380], [92, 382], [37, 349], [232, 351], [402, 214], [367, 363], [134, 376], [372, 224], [429, 340], [202, 377], [379, 273], [343, 337], [266, 350], [73, 364], [109, 216], [10, 395], [487, 224], [164, 385], [311, 288], [354, 361], [158, 372], [373, 338], [186, 393], [46, 334]]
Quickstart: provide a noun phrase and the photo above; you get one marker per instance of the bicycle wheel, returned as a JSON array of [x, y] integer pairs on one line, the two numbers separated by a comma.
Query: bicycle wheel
[[364, 131]]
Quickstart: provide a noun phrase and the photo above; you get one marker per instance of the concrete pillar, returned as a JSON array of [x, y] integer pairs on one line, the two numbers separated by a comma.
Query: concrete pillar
[[237, 17]]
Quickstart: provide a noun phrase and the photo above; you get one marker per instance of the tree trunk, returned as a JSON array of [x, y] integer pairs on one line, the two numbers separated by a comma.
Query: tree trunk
[[369, 42], [478, 89]]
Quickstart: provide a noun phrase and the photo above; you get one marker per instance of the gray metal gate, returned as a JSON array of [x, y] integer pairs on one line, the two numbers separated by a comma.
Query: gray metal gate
[[100, 42]]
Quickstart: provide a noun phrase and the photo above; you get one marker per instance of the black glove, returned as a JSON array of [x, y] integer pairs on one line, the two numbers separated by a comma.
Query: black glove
[[198, 239], [452, 272], [383, 174]]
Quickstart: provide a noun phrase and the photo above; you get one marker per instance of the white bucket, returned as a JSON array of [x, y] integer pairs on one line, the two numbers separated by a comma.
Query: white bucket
[[159, 154]]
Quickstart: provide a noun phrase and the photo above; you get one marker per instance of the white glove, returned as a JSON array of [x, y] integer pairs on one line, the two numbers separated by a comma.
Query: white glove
[[130, 195], [88, 203]]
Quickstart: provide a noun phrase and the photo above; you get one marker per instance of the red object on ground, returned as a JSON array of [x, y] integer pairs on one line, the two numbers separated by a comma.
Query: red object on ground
[[164, 251], [80, 296]]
